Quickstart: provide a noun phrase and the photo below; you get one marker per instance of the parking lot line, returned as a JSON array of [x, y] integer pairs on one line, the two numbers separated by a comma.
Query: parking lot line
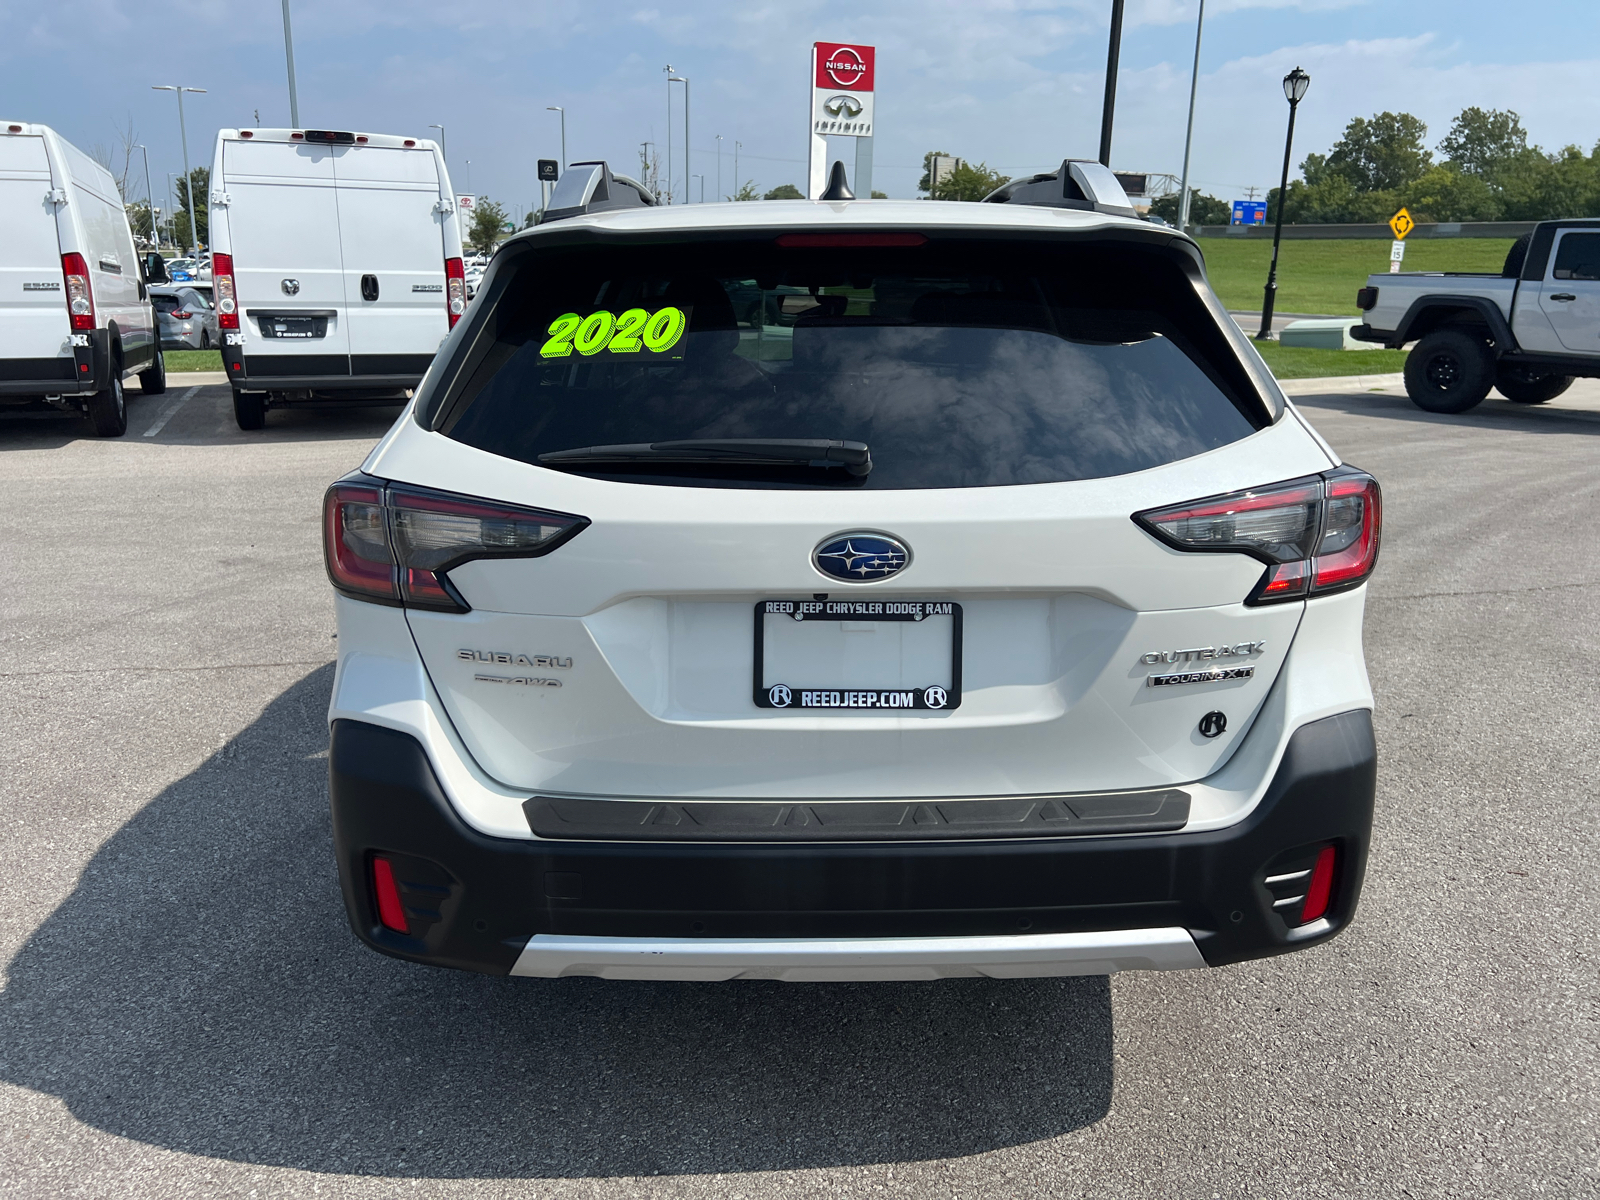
[[166, 413]]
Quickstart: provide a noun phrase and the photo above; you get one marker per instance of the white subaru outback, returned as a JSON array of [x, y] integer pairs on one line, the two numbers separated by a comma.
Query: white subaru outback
[[839, 590]]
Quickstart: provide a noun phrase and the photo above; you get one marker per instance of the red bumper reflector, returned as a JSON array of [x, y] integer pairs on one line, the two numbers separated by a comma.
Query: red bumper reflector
[[390, 911], [1321, 888]]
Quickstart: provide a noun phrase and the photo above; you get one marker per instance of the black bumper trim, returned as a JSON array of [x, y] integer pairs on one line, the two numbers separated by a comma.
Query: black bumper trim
[[578, 818], [480, 898]]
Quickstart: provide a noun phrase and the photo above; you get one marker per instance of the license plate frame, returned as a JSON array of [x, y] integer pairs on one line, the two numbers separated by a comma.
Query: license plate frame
[[897, 701]]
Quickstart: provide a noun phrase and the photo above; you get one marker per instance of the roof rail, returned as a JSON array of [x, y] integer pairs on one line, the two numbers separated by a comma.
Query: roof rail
[[1079, 183], [590, 187]]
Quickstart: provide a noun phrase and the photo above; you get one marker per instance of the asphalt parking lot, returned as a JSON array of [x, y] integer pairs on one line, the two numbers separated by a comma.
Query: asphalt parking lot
[[185, 1012]]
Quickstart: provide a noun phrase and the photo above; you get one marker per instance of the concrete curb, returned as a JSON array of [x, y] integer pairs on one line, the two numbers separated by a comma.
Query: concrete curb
[[193, 378]]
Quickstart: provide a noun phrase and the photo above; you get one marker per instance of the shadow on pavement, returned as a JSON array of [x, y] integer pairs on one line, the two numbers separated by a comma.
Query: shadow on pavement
[[1522, 418], [200, 991]]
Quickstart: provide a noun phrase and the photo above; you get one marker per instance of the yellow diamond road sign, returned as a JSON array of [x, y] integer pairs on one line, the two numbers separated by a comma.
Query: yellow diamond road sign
[[1402, 224]]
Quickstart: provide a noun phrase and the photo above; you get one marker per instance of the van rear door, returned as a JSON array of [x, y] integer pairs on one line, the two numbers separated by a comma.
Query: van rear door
[[393, 250], [288, 269], [33, 306]]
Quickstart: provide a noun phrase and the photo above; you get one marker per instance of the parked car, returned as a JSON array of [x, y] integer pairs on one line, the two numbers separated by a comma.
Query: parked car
[[188, 322], [74, 317], [1527, 332], [1000, 617], [337, 265]]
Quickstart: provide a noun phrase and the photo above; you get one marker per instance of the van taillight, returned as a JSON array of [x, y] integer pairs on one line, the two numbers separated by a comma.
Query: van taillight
[[80, 297], [222, 286], [393, 545], [1316, 535], [455, 288]]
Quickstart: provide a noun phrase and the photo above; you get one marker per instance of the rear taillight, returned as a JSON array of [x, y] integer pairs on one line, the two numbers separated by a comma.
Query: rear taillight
[[80, 296], [182, 316], [391, 913], [1316, 535], [394, 545], [455, 289], [222, 285]]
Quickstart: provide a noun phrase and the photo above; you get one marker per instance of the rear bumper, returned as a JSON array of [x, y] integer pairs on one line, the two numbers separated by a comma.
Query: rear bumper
[[255, 372], [1366, 333], [861, 910], [85, 373]]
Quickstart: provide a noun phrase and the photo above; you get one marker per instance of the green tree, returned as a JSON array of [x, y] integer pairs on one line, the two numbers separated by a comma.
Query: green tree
[[201, 178], [969, 182], [785, 191], [1375, 155], [927, 169], [487, 221], [747, 191], [1482, 141], [1445, 194], [138, 218], [1203, 209], [876, 195]]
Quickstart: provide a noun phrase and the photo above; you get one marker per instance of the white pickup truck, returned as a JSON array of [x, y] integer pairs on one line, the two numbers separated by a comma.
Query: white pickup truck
[[1527, 332]]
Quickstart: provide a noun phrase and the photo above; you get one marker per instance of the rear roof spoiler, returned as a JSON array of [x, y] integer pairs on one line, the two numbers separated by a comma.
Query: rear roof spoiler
[[590, 187], [1077, 184]]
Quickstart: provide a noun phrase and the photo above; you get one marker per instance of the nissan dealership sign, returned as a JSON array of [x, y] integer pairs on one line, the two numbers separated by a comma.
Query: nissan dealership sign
[[841, 91]]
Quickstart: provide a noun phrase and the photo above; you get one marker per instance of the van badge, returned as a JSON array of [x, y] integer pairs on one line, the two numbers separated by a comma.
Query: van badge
[[291, 287], [861, 557]]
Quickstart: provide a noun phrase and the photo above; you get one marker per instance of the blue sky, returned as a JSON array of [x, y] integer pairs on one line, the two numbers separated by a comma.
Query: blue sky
[[1017, 84]]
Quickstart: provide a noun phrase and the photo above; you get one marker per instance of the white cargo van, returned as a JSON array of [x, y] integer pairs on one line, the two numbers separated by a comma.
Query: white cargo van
[[74, 316], [336, 264]]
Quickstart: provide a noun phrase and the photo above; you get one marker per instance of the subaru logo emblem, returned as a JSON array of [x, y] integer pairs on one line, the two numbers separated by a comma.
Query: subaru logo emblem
[[291, 287], [861, 557]]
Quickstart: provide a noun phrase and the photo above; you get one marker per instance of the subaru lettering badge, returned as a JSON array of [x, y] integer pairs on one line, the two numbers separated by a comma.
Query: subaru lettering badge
[[861, 557]]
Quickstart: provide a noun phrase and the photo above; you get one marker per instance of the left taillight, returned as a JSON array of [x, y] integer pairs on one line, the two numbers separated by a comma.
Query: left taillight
[[455, 287], [394, 545], [80, 296], [1317, 535], [227, 296]]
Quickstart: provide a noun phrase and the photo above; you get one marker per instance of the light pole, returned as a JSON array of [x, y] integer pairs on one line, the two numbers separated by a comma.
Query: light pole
[[1110, 105], [469, 177], [443, 150], [150, 198], [1188, 139], [702, 180], [288, 50], [556, 108], [171, 209], [683, 79], [736, 184], [1295, 84], [183, 137], [719, 166], [644, 169]]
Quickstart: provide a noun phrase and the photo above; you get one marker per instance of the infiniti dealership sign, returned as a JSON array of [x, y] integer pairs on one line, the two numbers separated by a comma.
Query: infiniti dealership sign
[[841, 90]]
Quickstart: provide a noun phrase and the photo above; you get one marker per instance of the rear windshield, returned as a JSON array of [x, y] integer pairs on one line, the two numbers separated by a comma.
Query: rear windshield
[[955, 364], [165, 304]]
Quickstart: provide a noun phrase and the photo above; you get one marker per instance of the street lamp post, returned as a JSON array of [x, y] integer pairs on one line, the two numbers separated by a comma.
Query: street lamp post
[[171, 209], [719, 166], [1188, 138], [702, 180], [1295, 84], [469, 177], [556, 108], [683, 79], [183, 137], [150, 198], [288, 50]]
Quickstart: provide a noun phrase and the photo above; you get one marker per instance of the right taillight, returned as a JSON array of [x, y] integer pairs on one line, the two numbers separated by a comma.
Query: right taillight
[[80, 296], [455, 287], [1318, 534], [394, 545], [222, 286]]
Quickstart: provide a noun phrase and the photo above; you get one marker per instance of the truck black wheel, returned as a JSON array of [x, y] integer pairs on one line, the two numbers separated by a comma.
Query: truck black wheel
[[250, 409], [153, 380], [1450, 371], [108, 409], [1528, 386]]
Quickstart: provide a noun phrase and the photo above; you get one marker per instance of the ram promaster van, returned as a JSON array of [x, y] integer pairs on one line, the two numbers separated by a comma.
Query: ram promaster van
[[74, 316], [336, 265]]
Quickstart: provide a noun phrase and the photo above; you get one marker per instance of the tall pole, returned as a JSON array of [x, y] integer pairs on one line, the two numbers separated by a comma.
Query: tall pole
[[669, 133], [687, 163], [702, 180], [183, 136], [1188, 138], [556, 108], [736, 184], [171, 208], [719, 166], [1295, 84], [150, 198], [288, 49], [1109, 108]]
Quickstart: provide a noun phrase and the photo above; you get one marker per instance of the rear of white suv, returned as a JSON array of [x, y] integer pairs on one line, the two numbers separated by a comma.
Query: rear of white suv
[[850, 591]]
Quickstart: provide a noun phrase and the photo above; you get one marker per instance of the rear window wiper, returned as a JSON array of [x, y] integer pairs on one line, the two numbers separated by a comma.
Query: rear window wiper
[[854, 457]]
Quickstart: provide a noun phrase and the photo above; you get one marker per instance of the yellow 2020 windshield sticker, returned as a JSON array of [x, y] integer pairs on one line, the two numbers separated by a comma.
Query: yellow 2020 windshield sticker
[[635, 333]]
